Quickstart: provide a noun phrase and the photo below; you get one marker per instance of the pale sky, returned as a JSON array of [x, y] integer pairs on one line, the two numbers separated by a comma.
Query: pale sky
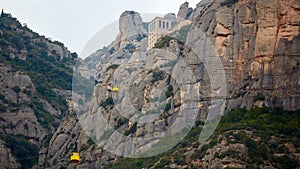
[[74, 22]]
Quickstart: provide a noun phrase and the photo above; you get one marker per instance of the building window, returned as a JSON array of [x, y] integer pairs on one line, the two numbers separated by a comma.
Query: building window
[[163, 24], [167, 25], [160, 24]]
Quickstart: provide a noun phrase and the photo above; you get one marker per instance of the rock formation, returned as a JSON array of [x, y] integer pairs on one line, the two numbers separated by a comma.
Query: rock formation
[[184, 12], [33, 70], [256, 41], [200, 8], [131, 27]]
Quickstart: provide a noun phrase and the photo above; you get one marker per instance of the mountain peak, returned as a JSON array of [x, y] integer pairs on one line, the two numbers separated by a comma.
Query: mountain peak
[[130, 26], [184, 12]]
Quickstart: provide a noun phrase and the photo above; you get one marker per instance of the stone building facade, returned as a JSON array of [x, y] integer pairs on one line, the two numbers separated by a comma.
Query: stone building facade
[[157, 27]]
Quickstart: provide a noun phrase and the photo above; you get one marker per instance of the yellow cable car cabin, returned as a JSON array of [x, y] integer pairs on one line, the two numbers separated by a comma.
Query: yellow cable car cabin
[[115, 89], [75, 157]]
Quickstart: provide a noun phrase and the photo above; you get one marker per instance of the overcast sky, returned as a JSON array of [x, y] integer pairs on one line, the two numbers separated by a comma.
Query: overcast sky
[[74, 22]]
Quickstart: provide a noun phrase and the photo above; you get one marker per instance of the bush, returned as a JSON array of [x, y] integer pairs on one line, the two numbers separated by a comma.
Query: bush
[[112, 50], [163, 162], [140, 37], [200, 153], [169, 91], [212, 143], [163, 42], [259, 96], [26, 153], [168, 107], [285, 162], [3, 108], [131, 130], [17, 89], [120, 122], [109, 101], [114, 66], [130, 47], [229, 3], [179, 159], [28, 92], [157, 75]]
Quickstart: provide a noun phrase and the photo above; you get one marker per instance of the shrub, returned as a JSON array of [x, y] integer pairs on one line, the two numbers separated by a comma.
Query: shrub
[[26, 153], [109, 101], [168, 107], [157, 75], [112, 50], [163, 162], [3, 108], [200, 153], [259, 96], [169, 91], [162, 42], [213, 143], [131, 130], [229, 3], [140, 37], [114, 66], [285, 162], [28, 92], [130, 47], [179, 159], [17, 89], [120, 122]]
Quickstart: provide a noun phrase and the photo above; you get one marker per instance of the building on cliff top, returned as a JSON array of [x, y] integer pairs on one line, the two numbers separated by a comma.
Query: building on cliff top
[[156, 28], [162, 26]]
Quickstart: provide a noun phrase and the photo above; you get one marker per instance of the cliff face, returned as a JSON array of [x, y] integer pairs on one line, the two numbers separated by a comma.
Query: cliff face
[[184, 12], [257, 42], [35, 81], [131, 27]]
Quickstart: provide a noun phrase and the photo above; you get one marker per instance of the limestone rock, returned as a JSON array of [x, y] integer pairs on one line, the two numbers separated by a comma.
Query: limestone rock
[[131, 27], [184, 12], [200, 7], [252, 39], [64, 141], [56, 49], [257, 43]]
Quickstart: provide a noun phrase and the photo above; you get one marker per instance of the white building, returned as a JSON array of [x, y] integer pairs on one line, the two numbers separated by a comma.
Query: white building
[[157, 27], [162, 26]]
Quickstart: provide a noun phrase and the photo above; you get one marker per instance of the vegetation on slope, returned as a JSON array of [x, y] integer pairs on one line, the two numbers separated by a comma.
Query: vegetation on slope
[[48, 70], [29, 53], [275, 127], [27, 154]]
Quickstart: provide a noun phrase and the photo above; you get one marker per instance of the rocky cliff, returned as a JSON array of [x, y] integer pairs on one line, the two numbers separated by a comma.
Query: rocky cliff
[[35, 82], [131, 28], [184, 12], [256, 42]]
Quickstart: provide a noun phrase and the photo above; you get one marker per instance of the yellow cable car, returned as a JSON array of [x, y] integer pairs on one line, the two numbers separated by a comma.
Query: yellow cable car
[[115, 89], [75, 157]]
